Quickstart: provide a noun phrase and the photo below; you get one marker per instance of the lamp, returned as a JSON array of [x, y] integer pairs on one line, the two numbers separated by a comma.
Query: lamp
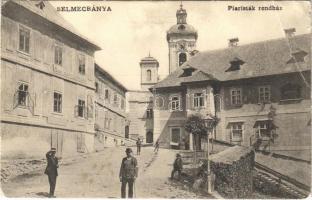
[[209, 121]]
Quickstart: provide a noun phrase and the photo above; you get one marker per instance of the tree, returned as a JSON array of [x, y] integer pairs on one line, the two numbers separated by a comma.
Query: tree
[[195, 125]]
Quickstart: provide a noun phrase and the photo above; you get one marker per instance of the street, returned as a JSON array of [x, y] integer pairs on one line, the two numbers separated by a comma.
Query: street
[[96, 175]]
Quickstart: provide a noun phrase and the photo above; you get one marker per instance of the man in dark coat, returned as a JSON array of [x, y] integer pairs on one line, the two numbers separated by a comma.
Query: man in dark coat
[[138, 143], [156, 146], [51, 169], [177, 166], [128, 173]]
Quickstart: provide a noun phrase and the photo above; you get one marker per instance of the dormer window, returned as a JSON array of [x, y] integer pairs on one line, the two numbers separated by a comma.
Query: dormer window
[[188, 72], [40, 5], [235, 64], [297, 56]]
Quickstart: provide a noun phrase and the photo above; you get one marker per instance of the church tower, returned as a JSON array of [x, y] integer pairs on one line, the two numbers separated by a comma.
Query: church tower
[[181, 39], [149, 72]]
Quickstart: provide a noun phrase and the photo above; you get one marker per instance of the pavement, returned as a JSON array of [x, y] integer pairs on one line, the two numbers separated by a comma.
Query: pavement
[[96, 175]]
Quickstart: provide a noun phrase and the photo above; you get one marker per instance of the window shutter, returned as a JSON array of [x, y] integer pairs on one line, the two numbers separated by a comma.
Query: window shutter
[[90, 106], [15, 99], [85, 112], [76, 111], [170, 104], [31, 100], [13, 33]]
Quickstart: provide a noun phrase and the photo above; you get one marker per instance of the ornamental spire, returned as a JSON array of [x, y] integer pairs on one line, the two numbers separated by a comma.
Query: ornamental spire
[[181, 15]]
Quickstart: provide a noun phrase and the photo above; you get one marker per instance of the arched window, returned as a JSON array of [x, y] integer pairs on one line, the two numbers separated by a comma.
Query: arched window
[[182, 58], [148, 75], [290, 91]]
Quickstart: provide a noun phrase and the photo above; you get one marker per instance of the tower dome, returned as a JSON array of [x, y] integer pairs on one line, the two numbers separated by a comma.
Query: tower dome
[[181, 39]]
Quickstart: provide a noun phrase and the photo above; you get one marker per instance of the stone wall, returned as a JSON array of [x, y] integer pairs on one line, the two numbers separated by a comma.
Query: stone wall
[[233, 169]]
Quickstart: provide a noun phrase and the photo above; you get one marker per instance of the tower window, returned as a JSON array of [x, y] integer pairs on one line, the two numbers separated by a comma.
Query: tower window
[[148, 75], [182, 58]]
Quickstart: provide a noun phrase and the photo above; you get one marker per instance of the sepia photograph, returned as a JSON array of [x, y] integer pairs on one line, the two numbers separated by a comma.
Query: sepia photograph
[[155, 99]]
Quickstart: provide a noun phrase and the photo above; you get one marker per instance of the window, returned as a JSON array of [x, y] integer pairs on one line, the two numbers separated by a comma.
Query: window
[[236, 98], [175, 103], [57, 103], [24, 37], [198, 100], [115, 100], [290, 91], [264, 94], [159, 102], [262, 129], [149, 113], [107, 96], [175, 136], [237, 132], [122, 104], [182, 58], [82, 64], [22, 94], [96, 87], [58, 55], [148, 75], [81, 108]]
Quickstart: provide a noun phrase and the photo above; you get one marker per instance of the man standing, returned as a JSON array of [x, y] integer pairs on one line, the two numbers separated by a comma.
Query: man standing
[[128, 173], [177, 166], [138, 143], [156, 146], [51, 169]]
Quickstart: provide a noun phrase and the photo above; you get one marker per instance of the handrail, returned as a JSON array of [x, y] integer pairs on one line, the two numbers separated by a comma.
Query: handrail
[[283, 177]]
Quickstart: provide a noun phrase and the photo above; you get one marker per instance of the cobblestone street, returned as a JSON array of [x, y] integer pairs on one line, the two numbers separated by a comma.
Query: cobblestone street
[[96, 175]]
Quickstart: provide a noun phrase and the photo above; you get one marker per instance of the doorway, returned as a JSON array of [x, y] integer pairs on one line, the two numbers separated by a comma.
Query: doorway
[[149, 137]]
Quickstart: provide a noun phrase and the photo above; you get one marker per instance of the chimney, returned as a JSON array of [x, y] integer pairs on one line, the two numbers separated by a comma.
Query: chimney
[[233, 42], [290, 32]]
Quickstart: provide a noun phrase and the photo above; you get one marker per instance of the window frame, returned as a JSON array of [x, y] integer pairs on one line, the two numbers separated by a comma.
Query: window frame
[[149, 113], [260, 129], [236, 99], [198, 99], [82, 66], [148, 75], [177, 103], [83, 108], [266, 98], [25, 29], [295, 88], [26, 93], [60, 103], [96, 85], [58, 54], [237, 139]]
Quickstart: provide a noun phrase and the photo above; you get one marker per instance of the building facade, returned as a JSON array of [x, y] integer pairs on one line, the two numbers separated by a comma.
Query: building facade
[[140, 102], [111, 124], [259, 91], [47, 83]]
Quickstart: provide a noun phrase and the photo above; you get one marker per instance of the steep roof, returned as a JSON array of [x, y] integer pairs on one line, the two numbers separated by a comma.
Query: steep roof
[[109, 77], [265, 58], [49, 13]]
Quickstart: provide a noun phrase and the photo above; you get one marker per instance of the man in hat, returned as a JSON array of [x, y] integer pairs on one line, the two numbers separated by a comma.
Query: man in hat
[[51, 169], [128, 173], [177, 166]]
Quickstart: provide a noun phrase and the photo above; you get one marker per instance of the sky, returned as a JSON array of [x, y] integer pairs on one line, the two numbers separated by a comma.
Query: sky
[[133, 29]]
